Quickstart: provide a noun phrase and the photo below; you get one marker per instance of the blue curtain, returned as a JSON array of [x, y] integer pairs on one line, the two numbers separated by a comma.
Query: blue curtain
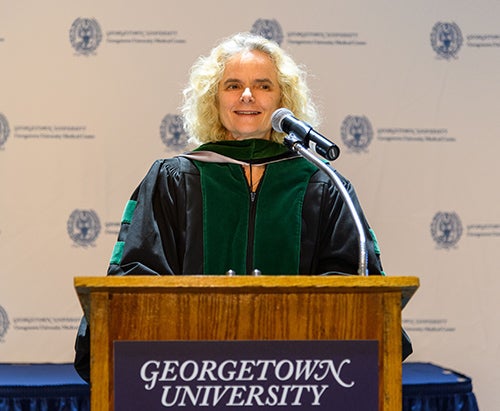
[[452, 402], [430, 387], [78, 403]]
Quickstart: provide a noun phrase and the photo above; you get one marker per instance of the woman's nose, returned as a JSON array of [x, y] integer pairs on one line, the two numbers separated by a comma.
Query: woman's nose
[[246, 96]]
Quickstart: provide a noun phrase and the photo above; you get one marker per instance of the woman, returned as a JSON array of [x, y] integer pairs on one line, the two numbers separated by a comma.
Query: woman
[[241, 201]]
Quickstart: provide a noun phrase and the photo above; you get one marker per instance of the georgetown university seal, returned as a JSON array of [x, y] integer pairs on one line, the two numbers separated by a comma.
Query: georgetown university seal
[[4, 130], [4, 323], [356, 133], [172, 131], [85, 36], [84, 227], [270, 29], [446, 39], [446, 229]]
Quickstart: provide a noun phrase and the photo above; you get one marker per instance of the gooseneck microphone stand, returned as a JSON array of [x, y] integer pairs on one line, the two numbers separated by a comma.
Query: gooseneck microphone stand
[[297, 145]]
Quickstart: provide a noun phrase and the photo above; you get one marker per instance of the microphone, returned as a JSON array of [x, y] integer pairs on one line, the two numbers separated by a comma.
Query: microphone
[[299, 134], [283, 121]]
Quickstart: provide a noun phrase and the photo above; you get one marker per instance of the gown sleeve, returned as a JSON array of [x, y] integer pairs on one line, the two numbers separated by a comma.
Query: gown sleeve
[[338, 242], [147, 241]]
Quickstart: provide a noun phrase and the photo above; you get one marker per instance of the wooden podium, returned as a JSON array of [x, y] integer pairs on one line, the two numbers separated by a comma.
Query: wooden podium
[[245, 308]]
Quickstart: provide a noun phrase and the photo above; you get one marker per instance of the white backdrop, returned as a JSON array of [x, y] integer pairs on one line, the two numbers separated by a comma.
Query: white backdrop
[[89, 97]]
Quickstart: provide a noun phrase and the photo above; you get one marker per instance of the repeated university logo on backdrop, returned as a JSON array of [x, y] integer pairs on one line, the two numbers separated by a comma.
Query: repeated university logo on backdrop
[[84, 227], [446, 229], [268, 28], [4, 323], [85, 36], [172, 132], [446, 39], [356, 133], [4, 130]]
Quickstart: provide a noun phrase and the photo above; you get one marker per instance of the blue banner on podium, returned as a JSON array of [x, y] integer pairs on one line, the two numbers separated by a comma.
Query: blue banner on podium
[[250, 375]]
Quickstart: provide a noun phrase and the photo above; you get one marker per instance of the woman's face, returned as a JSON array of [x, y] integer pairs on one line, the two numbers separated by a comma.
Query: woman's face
[[248, 95]]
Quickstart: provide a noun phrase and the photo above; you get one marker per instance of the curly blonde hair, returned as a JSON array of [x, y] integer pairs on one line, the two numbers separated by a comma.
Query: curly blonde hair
[[200, 109]]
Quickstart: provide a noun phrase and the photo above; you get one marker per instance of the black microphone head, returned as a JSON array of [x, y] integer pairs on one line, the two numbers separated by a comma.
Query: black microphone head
[[278, 116]]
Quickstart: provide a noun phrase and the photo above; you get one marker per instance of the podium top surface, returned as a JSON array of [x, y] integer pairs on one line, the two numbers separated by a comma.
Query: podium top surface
[[234, 284]]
